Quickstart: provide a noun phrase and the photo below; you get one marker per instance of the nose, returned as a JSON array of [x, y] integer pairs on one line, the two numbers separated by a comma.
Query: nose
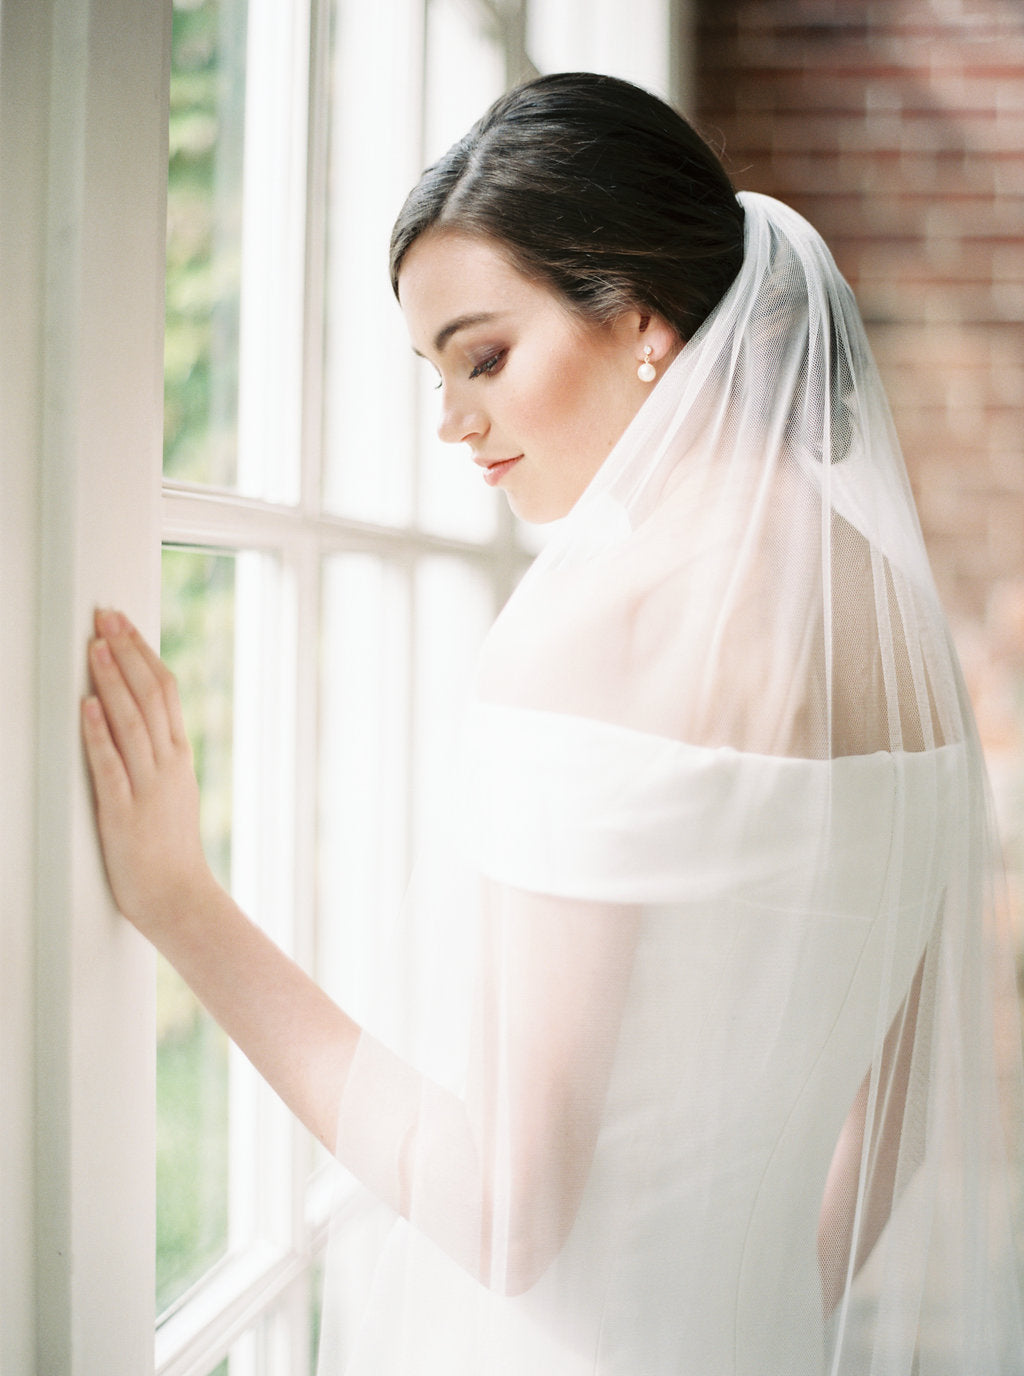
[[457, 422]]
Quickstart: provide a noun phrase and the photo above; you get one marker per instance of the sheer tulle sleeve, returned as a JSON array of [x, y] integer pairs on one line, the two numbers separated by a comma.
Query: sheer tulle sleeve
[[491, 1166]]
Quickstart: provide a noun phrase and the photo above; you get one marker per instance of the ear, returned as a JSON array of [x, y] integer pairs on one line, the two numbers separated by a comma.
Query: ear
[[644, 328], [659, 334]]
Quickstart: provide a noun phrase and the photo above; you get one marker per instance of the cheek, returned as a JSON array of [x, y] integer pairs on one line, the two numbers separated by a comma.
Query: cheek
[[561, 405]]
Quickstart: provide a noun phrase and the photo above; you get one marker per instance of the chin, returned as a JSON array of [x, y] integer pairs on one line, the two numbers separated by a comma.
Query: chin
[[534, 517], [539, 511]]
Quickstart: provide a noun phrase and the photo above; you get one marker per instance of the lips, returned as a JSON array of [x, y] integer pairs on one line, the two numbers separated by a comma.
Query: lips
[[495, 470]]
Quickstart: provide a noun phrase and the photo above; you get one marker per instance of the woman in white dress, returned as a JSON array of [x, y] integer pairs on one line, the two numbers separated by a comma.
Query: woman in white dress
[[702, 1072]]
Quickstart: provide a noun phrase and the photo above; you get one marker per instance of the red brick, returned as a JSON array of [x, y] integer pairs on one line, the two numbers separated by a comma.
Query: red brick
[[1006, 261], [1008, 175], [1006, 471], [900, 134], [873, 173], [953, 510], [1006, 524]]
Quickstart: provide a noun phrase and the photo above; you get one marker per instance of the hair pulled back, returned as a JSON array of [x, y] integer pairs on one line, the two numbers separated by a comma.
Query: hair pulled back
[[596, 188]]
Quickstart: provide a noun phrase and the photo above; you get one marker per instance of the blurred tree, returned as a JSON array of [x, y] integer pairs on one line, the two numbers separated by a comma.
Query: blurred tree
[[192, 1054], [204, 253], [204, 233]]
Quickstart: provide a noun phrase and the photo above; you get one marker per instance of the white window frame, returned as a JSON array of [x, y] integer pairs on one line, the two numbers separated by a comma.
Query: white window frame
[[83, 157], [82, 143]]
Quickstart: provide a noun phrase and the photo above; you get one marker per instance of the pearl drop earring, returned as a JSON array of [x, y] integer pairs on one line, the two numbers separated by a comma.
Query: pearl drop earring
[[646, 372]]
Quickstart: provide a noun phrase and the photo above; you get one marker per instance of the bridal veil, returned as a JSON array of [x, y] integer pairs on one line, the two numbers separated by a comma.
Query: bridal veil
[[707, 1063]]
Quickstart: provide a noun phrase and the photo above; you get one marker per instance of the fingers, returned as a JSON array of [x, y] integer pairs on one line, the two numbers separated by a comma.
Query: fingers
[[110, 779], [137, 658], [124, 718], [138, 695]]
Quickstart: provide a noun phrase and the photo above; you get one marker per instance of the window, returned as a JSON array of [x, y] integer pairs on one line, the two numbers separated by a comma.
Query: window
[[326, 572], [327, 575]]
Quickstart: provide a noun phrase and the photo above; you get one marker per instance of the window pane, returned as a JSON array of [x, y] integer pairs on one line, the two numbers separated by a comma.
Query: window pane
[[373, 159], [191, 1162], [454, 608], [204, 206], [192, 1055], [465, 70], [280, 1343], [224, 1141], [364, 789], [236, 245]]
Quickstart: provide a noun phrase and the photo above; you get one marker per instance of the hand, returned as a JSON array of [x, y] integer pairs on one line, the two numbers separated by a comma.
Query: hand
[[147, 798]]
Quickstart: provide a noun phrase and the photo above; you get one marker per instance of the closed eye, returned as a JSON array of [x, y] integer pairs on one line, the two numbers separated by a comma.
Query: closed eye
[[490, 365]]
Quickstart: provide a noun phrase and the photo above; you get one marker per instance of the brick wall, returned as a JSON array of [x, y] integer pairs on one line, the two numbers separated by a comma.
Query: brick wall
[[897, 128]]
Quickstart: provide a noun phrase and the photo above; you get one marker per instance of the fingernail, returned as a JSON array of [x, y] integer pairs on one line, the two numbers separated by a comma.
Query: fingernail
[[101, 650], [111, 623]]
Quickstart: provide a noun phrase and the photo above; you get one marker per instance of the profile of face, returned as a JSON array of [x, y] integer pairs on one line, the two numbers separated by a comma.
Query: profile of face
[[539, 394]]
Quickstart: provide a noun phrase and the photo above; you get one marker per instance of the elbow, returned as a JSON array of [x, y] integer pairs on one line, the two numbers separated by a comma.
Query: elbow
[[529, 1221], [524, 1239], [519, 1266], [520, 1270]]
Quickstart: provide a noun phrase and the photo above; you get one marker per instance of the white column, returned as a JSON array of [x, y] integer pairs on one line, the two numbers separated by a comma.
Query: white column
[[85, 86], [23, 50]]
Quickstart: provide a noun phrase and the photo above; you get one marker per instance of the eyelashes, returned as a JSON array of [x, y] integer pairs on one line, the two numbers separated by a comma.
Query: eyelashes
[[487, 367], [490, 364]]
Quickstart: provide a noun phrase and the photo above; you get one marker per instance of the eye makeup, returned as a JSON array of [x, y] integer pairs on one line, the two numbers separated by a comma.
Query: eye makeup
[[490, 363]]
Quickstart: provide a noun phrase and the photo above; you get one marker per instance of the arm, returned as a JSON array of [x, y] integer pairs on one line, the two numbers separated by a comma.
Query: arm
[[148, 814], [495, 1177]]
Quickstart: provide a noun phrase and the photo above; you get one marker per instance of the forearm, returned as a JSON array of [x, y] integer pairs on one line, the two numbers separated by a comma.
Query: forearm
[[414, 1144], [386, 1123], [499, 1197], [495, 1174], [398, 1133], [294, 1035]]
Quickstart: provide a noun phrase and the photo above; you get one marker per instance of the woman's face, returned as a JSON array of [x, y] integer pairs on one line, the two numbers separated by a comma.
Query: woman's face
[[539, 395]]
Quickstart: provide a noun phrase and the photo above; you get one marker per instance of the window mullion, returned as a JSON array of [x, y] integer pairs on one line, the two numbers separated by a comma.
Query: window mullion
[[221, 520], [317, 170], [306, 690], [227, 1303]]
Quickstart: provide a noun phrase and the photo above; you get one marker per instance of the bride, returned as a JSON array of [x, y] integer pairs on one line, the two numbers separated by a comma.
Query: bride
[[706, 1078]]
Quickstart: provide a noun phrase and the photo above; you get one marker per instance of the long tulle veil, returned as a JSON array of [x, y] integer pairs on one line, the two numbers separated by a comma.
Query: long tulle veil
[[706, 1061]]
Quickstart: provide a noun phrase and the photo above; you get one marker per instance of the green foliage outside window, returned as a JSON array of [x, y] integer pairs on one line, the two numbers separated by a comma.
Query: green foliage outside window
[[207, 102], [192, 1058], [204, 218]]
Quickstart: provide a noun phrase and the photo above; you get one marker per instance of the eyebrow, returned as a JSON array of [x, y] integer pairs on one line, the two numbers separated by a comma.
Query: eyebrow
[[461, 322]]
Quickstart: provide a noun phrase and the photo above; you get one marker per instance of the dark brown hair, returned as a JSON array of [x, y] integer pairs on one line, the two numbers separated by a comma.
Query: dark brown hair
[[597, 189]]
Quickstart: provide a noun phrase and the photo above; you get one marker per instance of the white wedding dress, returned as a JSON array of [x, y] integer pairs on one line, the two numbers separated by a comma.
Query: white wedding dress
[[699, 1068]]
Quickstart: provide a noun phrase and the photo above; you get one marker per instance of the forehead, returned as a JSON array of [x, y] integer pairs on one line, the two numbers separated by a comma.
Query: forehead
[[447, 275]]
